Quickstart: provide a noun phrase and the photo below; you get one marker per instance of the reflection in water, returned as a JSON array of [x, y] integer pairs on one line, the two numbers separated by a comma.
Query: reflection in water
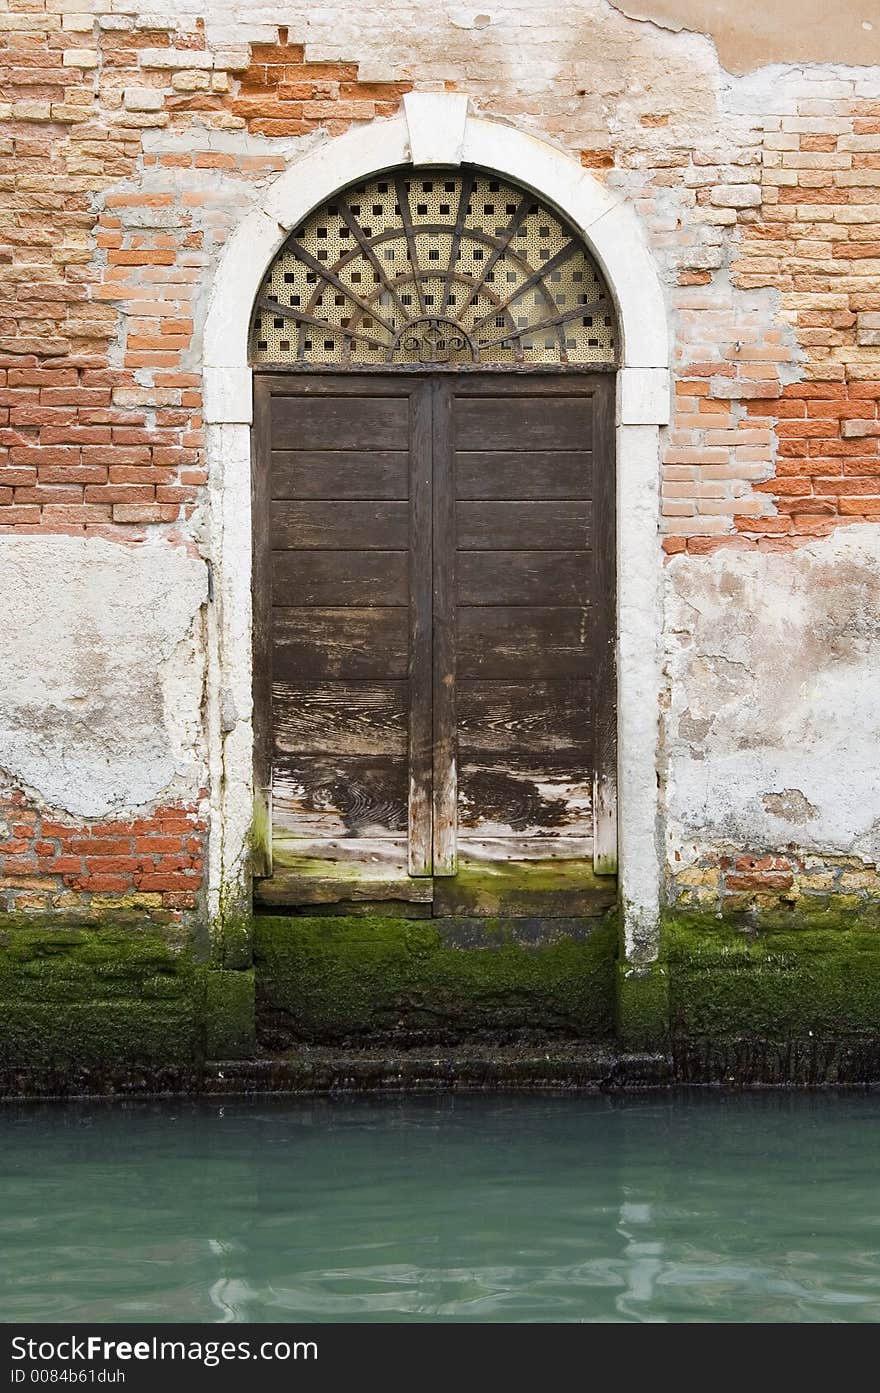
[[642, 1256], [457, 1208]]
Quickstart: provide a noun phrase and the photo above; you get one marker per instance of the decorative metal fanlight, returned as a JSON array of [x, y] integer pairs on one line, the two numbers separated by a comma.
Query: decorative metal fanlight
[[433, 269]]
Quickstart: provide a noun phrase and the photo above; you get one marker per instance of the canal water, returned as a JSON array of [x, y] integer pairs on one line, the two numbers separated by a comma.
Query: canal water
[[511, 1208]]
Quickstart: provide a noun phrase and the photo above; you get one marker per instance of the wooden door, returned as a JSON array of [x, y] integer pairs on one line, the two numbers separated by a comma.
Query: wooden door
[[343, 584], [434, 599]]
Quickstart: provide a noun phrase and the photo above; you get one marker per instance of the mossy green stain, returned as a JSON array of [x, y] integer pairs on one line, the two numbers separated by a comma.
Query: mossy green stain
[[773, 980], [326, 979], [229, 1015], [642, 1005], [100, 996], [777, 976], [492, 878]]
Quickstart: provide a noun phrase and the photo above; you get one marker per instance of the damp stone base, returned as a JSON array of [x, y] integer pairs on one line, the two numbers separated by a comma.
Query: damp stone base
[[369, 1001], [371, 979], [93, 997]]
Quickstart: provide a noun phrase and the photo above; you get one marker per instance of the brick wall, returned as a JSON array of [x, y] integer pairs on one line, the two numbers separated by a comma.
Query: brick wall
[[755, 459], [100, 430], [105, 249], [151, 866], [792, 880]]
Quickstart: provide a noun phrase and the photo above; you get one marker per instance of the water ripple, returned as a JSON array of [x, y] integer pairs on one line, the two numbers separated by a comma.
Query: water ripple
[[450, 1209]]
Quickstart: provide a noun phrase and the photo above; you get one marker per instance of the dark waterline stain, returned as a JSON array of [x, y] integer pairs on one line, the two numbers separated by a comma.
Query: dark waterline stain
[[510, 1208]]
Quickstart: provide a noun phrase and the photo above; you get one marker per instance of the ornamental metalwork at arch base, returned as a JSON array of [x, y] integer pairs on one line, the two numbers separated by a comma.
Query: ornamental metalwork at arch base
[[434, 269]]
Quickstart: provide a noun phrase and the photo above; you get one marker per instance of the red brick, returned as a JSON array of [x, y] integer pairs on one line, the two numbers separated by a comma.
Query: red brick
[[767, 880], [867, 507], [168, 880], [157, 845], [14, 846], [101, 884]]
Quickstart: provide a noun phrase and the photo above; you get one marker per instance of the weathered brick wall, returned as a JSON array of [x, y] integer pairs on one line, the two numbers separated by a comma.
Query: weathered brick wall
[[151, 866], [775, 460], [132, 142], [105, 250]]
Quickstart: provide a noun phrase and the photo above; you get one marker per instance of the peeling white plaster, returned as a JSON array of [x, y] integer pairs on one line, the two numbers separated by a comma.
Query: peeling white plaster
[[773, 732], [103, 671]]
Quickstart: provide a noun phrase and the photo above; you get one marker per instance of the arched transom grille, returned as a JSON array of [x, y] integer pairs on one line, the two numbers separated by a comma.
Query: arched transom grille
[[457, 269]]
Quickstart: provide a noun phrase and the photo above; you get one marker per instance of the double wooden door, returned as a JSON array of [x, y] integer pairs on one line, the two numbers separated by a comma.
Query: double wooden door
[[434, 602]]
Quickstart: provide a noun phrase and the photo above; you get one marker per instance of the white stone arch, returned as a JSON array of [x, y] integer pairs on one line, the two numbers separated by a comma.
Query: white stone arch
[[435, 128]]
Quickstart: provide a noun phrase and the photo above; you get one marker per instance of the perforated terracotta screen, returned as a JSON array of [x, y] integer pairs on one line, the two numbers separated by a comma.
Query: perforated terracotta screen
[[458, 269]]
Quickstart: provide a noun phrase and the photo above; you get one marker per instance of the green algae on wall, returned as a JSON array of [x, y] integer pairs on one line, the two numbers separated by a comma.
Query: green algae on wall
[[779, 979], [642, 1005], [375, 978], [95, 997], [100, 997], [774, 977]]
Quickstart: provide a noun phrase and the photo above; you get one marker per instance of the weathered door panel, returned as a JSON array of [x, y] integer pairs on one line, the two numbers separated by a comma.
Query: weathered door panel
[[347, 548], [529, 615], [439, 552]]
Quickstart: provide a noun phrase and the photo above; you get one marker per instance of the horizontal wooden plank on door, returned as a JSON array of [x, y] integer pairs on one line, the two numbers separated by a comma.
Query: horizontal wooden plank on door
[[517, 847], [346, 643], [342, 578], [523, 474], [523, 643], [340, 795], [504, 795], [302, 886], [339, 525], [527, 422], [528, 717], [524, 888], [338, 870], [349, 422], [377, 854], [523, 578], [340, 718], [333, 473], [551, 525]]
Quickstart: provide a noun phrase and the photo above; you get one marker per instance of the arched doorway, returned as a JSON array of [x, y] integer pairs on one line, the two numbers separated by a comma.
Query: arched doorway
[[434, 353]]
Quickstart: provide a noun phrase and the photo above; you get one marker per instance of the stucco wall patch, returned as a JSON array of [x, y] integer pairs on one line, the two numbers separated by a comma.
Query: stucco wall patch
[[102, 672], [773, 662], [788, 31]]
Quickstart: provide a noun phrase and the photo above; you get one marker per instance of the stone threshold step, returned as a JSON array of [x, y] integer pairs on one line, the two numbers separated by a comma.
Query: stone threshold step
[[327, 1069]]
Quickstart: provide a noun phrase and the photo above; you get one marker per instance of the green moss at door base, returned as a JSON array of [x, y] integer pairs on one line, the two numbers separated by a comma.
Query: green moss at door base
[[745, 999], [374, 978]]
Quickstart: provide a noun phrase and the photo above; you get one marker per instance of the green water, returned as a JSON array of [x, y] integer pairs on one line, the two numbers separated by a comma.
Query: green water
[[457, 1208]]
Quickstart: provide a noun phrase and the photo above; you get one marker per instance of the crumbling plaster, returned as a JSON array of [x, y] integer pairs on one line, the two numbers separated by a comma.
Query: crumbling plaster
[[103, 673], [773, 727], [786, 31]]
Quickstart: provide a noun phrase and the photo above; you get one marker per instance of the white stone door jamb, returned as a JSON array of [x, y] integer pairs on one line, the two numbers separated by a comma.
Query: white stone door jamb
[[435, 128]]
